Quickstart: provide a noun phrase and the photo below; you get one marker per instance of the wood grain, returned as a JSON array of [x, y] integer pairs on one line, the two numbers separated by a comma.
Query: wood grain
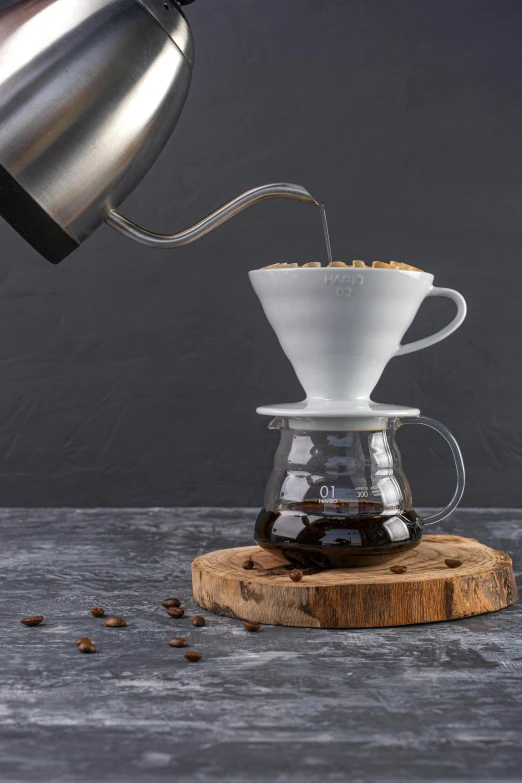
[[360, 597]]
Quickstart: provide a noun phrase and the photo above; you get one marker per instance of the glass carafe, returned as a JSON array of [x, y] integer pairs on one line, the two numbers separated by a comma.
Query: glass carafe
[[340, 498]]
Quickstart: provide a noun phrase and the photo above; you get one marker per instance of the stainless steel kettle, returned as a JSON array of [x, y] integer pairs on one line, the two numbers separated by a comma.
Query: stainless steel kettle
[[90, 91]]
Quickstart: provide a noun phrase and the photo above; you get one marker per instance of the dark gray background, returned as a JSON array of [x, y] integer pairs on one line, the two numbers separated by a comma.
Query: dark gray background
[[130, 376]]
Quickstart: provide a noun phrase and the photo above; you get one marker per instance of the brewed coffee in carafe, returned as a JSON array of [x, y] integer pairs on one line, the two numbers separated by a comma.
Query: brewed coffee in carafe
[[337, 498]]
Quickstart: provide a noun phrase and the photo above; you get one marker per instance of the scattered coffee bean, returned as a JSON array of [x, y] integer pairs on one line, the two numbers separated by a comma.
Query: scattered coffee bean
[[199, 621], [295, 576], [87, 647], [192, 656], [168, 602], [115, 622], [399, 569], [175, 612], [251, 626], [83, 640], [453, 563], [178, 642], [36, 620], [248, 565], [97, 612]]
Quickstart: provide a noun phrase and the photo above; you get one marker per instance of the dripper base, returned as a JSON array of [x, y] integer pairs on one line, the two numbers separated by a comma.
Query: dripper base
[[346, 409]]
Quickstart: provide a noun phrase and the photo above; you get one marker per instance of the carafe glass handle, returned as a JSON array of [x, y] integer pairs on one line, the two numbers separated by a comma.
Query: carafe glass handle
[[459, 465]]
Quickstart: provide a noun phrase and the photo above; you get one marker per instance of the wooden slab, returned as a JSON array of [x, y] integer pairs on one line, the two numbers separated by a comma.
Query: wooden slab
[[366, 597]]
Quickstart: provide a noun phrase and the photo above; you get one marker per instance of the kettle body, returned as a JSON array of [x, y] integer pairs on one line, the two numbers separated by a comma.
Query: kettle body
[[90, 92]]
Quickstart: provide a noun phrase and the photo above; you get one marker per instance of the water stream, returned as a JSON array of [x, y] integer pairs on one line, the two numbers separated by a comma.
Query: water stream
[[326, 233]]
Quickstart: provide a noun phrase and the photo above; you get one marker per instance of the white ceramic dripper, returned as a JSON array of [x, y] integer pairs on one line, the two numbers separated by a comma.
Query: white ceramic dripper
[[339, 327]]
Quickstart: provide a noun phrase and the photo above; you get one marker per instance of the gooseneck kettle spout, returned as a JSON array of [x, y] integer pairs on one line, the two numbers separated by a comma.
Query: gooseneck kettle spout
[[212, 221], [90, 93]]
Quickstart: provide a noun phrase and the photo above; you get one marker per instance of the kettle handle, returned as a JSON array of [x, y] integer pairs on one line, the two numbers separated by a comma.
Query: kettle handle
[[459, 465], [212, 221]]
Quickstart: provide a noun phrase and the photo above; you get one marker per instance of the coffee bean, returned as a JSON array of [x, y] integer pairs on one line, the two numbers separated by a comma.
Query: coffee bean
[[192, 656], [178, 642], [168, 602], [97, 612], [453, 563], [248, 565], [295, 576], [251, 626], [115, 622], [175, 612], [36, 620], [399, 569], [198, 621], [83, 640], [87, 647]]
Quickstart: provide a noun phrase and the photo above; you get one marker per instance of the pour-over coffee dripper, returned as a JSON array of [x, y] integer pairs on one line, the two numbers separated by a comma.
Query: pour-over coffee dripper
[[338, 495]]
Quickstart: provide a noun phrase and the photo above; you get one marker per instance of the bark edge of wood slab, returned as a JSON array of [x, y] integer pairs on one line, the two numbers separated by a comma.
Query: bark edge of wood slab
[[369, 597]]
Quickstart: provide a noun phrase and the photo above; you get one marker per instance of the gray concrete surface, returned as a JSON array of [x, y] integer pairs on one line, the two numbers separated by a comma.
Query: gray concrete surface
[[438, 703]]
